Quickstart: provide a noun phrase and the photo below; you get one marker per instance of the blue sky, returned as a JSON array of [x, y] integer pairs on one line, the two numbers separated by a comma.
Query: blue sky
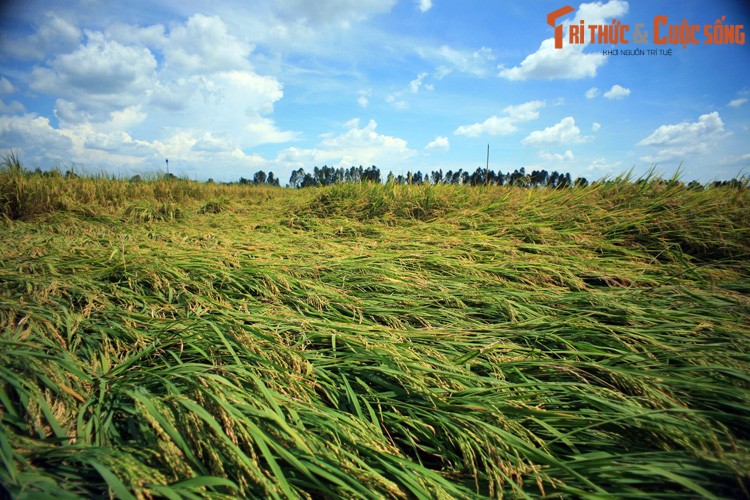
[[224, 89]]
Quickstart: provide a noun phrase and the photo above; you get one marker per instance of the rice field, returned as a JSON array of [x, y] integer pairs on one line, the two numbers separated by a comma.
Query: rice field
[[172, 339]]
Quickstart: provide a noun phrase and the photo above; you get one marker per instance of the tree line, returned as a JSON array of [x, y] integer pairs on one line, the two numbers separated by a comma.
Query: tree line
[[326, 176]]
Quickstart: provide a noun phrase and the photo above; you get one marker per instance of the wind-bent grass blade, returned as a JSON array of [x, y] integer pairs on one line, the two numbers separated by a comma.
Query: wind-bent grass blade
[[167, 338]]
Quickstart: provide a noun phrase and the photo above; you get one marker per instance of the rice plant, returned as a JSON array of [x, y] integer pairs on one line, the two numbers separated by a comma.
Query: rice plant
[[167, 338]]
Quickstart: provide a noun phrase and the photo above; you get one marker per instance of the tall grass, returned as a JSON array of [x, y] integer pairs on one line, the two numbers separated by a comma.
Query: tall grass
[[171, 339]]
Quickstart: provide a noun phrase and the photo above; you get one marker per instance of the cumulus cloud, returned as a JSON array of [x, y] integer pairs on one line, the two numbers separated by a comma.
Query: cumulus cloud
[[129, 94], [595, 126], [736, 103], [425, 5], [355, 146], [494, 125], [7, 88], [524, 112], [153, 36], [564, 132], [117, 142], [684, 139], [617, 92], [592, 92], [209, 143], [98, 77], [203, 45], [53, 35], [569, 62], [440, 143], [33, 136], [12, 107], [549, 63], [503, 125]]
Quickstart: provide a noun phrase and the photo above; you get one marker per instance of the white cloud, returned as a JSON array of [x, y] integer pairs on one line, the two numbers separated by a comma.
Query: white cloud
[[440, 143], [415, 84], [603, 166], [494, 125], [209, 143], [477, 63], [736, 103], [395, 99], [119, 143], [617, 92], [524, 112], [116, 105], [684, 139], [261, 130], [425, 5], [595, 126], [592, 92], [564, 132], [151, 36], [54, 35], [569, 62], [356, 146], [203, 45], [102, 75], [557, 157], [363, 101], [549, 63], [34, 138], [442, 71], [13, 107], [503, 125], [5, 86]]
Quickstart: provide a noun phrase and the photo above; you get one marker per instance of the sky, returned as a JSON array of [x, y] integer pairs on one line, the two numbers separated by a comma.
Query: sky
[[223, 89]]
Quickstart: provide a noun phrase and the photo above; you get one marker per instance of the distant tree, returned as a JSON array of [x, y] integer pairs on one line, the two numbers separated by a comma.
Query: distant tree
[[371, 174], [477, 177], [552, 179], [259, 177], [581, 182], [564, 181], [309, 181], [295, 180], [518, 177], [539, 178], [437, 176], [457, 176], [272, 180]]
